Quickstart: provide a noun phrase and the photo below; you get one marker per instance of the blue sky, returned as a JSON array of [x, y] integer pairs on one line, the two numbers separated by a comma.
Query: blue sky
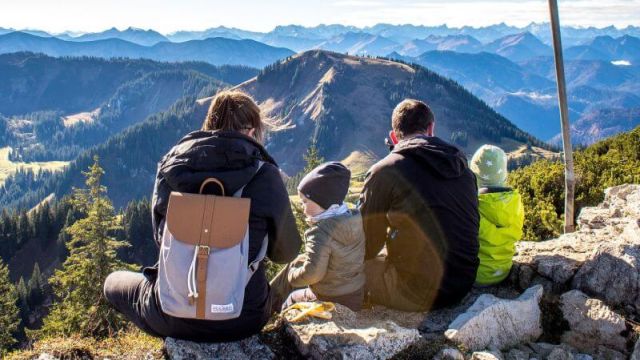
[[262, 15]]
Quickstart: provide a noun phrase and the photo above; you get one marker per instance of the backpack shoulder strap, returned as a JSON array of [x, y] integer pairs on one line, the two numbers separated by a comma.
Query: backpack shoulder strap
[[255, 264], [239, 192]]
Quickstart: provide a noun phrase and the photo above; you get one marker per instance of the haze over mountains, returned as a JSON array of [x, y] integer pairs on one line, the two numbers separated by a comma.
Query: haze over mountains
[[512, 67]]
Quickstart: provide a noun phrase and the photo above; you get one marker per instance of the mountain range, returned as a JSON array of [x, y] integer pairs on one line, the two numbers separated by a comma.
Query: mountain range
[[398, 33], [341, 102], [510, 68], [525, 91], [216, 51]]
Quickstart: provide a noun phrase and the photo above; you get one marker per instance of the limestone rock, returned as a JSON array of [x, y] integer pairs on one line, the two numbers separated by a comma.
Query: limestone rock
[[608, 354], [592, 323], [497, 323], [449, 354], [517, 354], [45, 356], [542, 350], [582, 357], [612, 273], [601, 258], [556, 259], [635, 355], [560, 354], [486, 355], [369, 334], [250, 348]]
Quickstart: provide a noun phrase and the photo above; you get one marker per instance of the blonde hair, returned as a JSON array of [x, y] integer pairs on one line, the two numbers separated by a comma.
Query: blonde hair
[[236, 111]]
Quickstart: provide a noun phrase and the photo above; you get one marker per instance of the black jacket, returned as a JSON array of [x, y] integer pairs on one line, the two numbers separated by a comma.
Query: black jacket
[[421, 201], [233, 159]]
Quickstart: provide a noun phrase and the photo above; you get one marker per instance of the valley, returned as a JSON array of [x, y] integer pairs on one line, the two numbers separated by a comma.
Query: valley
[[8, 167]]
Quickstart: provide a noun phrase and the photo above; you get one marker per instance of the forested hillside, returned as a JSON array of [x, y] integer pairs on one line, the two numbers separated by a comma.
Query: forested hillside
[[344, 104], [36, 82], [51, 135]]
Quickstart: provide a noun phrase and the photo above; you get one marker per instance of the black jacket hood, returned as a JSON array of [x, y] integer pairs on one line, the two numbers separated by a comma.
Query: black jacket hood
[[445, 159], [229, 156]]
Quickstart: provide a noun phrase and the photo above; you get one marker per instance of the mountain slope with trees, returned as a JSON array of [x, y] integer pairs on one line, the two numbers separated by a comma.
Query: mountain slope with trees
[[611, 162], [37, 82], [344, 104]]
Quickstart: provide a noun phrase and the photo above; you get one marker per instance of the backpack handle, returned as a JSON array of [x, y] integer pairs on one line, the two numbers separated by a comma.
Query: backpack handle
[[209, 181]]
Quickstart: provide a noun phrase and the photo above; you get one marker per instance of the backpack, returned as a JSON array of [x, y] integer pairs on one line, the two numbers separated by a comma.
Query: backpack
[[203, 262]]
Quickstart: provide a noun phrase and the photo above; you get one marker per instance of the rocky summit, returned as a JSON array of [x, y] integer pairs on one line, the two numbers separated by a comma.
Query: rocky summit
[[574, 297]]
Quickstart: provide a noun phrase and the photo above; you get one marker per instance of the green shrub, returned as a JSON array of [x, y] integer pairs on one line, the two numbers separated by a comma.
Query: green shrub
[[611, 162]]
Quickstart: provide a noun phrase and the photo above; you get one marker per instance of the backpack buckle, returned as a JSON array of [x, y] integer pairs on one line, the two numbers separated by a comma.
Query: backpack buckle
[[203, 250]]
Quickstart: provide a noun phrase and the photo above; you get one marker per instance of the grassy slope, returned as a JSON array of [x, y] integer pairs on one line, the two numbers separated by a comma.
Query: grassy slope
[[132, 344], [7, 167]]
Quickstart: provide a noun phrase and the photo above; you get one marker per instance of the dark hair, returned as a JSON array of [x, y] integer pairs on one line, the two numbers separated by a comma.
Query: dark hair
[[411, 117], [234, 110]]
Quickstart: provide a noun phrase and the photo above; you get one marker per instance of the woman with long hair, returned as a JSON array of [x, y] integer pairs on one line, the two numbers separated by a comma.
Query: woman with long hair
[[228, 148]]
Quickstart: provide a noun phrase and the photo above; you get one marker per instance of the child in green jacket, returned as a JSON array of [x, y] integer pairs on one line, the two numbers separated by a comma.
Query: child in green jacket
[[501, 215]]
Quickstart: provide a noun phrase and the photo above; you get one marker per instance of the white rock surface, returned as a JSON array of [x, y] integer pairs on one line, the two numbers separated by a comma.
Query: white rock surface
[[45, 356], [369, 334], [517, 354], [251, 348], [602, 258], [560, 354], [449, 354], [486, 355], [635, 355], [498, 323], [592, 323]]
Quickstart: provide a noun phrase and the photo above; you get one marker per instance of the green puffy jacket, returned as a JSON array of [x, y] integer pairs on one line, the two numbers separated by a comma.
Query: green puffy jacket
[[501, 221]]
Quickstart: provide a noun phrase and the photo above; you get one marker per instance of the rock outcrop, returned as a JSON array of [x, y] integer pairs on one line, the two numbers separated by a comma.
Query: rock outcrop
[[497, 323], [567, 298], [600, 258], [369, 334], [251, 348], [592, 323]]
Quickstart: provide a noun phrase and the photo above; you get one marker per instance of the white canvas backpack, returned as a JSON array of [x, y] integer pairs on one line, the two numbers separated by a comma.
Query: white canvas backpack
[[204, 265]]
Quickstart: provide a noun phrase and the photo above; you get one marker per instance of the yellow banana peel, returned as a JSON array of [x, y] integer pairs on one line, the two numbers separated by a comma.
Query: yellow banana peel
[[321, 310]]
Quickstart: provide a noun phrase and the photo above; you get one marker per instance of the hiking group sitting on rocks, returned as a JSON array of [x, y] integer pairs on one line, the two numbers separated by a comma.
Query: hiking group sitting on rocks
[[426, 229]]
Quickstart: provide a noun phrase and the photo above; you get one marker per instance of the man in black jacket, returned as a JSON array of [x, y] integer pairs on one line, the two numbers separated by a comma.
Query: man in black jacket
[[421, 202]]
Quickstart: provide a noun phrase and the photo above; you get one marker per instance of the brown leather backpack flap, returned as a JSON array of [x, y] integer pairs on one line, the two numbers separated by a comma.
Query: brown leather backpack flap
[[208, 220]]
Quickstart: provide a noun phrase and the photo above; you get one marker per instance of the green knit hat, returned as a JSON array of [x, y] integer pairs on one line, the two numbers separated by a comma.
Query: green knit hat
[[489, 164]]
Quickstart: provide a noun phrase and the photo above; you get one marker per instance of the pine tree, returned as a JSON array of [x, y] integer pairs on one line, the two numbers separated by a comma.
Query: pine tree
[[36, 287], [23, 299], [312, 158], [24, 230], [63, 236], [9, 314], [92, 256]]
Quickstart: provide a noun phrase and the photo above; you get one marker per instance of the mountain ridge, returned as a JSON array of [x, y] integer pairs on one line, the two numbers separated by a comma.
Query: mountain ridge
[[317, 107], [217, 51]]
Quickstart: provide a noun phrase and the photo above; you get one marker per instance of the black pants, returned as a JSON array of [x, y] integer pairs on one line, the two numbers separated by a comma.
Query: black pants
[[133, 295]]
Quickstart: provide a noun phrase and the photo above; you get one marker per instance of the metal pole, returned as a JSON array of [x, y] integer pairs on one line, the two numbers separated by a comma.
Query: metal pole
[[570, 181]]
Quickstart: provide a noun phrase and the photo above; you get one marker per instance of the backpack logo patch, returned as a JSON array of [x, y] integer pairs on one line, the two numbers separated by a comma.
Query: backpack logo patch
[[228, 308]]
